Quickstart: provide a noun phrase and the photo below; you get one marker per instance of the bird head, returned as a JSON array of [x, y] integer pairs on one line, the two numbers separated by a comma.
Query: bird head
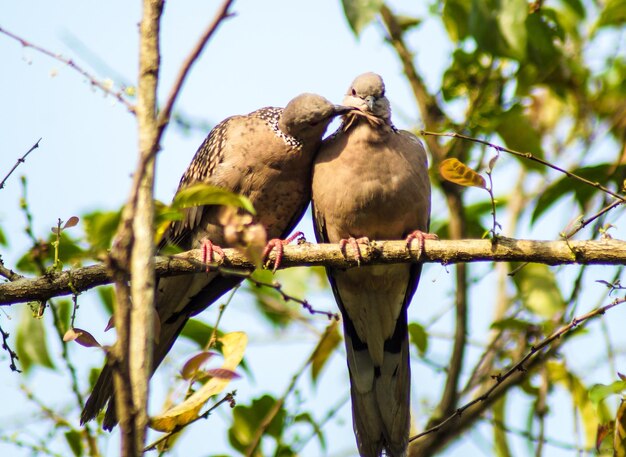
[[307, 116], [367, 94]]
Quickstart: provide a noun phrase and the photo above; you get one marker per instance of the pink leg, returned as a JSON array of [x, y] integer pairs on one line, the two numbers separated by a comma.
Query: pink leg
[[354, 242], [208, 252], [420, 237], [278, 244]]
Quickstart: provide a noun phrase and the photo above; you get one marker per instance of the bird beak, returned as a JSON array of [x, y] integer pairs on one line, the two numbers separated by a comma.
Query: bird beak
[[370, 100], [341, 109]]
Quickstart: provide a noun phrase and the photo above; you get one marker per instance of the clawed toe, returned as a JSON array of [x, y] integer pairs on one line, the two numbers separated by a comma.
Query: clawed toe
[[420, 237], [208, 252], [278, 245], [354, 243]]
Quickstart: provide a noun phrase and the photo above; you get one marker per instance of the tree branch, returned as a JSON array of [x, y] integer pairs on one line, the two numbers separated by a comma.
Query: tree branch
[[430, 441], [70, 63], [222, 14], [19, 161], [431, 112], [603, 252]]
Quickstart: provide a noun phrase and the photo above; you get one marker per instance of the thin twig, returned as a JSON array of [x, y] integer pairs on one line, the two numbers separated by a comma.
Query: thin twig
[[21, 160], [118, 95], [535, 439], [221, 15], [269, 417], [531, 157], [8, 273], [278, 287], [519, 365], [12, 354], [582, 223], [228, 398]]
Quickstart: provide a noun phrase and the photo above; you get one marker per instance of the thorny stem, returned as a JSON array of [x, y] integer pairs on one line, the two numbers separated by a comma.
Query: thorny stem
[[529, 156], [496, 225], [21, 160], [222, 308], [519, 366], [529, 436], [228, 398], [12, 354], [73, 65]]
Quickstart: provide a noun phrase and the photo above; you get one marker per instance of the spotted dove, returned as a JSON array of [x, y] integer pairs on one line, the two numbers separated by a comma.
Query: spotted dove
[[267, 156], [370, 180]]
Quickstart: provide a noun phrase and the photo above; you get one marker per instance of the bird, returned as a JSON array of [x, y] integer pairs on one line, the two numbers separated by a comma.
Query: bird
[[267, 156], [370, 182]]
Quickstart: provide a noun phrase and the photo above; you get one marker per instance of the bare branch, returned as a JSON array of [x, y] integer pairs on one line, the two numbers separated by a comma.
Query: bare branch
[[531, 157], [463, 418], [118, 95], [221, 15], [19, 161], [603, 252]]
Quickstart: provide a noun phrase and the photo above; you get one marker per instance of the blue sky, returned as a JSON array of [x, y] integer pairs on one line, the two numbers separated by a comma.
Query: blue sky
[[265, 55]]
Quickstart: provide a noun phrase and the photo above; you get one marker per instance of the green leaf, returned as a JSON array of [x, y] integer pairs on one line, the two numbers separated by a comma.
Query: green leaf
[[248, 419], [69, 253], [418, 337], [30, 342], [501, 444], [511, 21], [75, 442], [539, 290], [296, 283], [599, 392], [307, 418], [204, 194], [3, 238], [329, 340], [558, 373], [605, 173], [455, 18], [64, 311], [613, 14], [515, 129], [100, 227], [512, 323], [474, 214], [198, 332], [360, 13], [577, 7], [497, 27], [107, 298]]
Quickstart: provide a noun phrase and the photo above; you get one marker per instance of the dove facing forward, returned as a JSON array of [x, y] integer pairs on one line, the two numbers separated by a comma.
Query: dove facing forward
[[370, 181]]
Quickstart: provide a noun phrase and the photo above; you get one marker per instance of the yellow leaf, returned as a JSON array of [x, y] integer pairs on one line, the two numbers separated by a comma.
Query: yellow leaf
[[457, 172], [233, 348], [325, 347], [559, 373], [619, 438]]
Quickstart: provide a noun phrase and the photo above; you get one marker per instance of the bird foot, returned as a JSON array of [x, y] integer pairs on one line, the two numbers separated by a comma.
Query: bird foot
[[354, 243], [278, 245], [208, 252], [420, 237]]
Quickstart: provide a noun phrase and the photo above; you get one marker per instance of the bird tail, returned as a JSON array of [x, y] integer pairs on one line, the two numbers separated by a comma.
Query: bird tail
[[178, 298], [381, 394], [103, 388]]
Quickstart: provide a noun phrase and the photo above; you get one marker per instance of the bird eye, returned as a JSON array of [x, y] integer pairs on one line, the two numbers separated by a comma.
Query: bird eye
[[353, 92]]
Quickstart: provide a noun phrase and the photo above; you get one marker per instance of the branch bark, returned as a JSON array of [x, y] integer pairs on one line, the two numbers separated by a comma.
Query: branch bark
[[603, 252]]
